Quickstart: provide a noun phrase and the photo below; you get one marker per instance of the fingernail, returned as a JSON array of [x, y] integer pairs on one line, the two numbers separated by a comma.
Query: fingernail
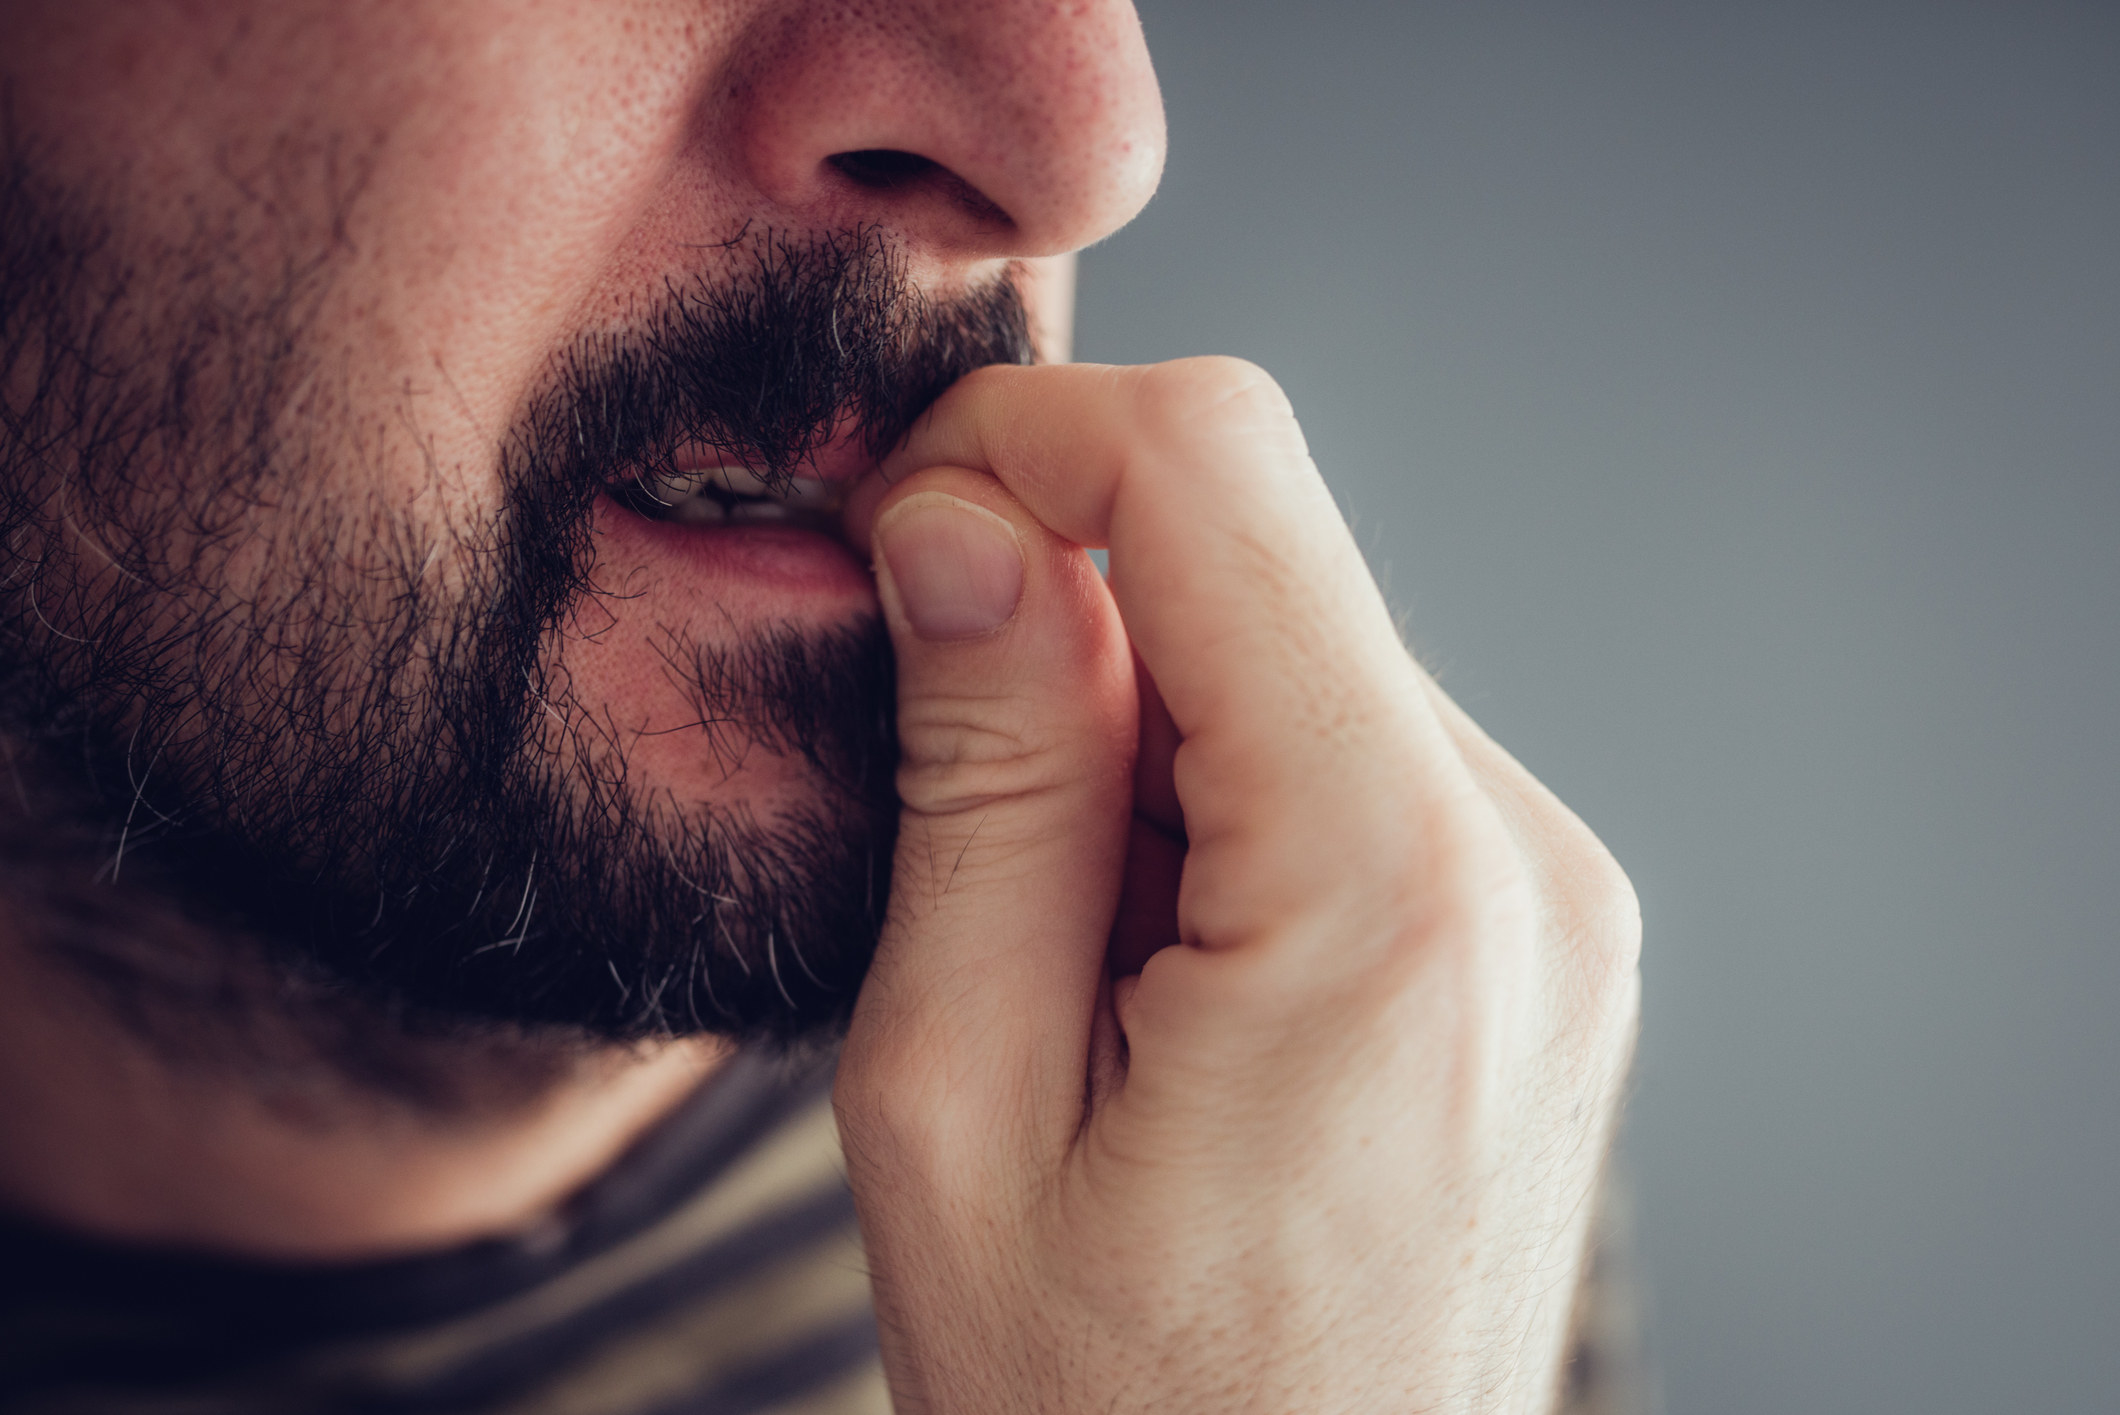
[[956, 567]]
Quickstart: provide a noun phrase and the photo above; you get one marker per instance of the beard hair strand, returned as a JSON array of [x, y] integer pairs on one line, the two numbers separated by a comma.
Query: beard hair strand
[[269, 763]]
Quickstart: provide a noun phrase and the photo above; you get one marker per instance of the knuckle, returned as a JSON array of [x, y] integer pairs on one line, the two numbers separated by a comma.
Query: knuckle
[[1602, 912], [1600, 927], [957, 760], [883, 1115], [886, 1130], [1215, 388], [964, 729], [1478, 896], [979, 382], [1474, 881], [960, 752], [911, 1102], [1617, 912], [1588, 912], [1454, 906]]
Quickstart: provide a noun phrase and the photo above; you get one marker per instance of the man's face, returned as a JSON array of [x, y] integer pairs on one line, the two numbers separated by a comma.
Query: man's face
[[423, 424]]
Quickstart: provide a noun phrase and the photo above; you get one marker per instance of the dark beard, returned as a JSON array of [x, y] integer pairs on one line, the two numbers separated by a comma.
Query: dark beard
[[368, 787]]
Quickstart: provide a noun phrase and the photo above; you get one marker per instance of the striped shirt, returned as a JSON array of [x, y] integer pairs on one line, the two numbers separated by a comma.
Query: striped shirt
[[715, 1270]]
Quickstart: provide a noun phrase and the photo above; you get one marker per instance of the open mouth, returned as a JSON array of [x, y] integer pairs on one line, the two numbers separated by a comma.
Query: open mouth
[[724, 495]]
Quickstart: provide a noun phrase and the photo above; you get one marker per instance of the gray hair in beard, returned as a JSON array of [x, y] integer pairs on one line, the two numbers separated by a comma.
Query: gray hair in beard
[[333, 792]]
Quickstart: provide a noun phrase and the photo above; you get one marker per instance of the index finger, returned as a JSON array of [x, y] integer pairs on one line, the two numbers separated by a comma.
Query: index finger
[[1310, 752]]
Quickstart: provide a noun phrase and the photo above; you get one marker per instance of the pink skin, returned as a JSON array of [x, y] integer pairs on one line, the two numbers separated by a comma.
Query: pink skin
[[542, 171], [1346, 1153], [529, 170], [662, 574]]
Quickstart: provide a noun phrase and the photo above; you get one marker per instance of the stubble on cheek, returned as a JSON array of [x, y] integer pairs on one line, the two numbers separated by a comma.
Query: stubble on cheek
[[316, 637]]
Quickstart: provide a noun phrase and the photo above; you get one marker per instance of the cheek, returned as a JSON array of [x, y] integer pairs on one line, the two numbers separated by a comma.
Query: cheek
[[517, 194]]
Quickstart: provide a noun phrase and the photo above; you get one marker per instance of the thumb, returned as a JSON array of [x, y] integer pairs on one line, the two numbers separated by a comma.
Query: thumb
[[1016, 722]]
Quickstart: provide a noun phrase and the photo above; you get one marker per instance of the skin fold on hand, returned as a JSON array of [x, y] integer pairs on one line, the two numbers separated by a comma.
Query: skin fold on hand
[[1327, 1143]]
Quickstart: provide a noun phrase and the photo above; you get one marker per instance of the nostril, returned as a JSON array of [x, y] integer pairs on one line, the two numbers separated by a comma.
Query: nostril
[[882, 168], [886, 169]]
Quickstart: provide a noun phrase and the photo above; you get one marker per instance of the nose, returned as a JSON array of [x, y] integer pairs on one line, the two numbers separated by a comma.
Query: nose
[[974, 128]]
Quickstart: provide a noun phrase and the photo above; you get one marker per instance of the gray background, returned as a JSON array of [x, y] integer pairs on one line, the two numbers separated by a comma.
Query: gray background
[[1731, 392]]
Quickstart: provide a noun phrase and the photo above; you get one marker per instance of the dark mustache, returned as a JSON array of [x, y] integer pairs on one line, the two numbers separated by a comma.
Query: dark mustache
[[815, 337]]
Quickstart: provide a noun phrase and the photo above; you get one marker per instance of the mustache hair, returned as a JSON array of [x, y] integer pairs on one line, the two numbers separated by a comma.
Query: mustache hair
[[344, 783], [814, 335], [680, 921], [812, 339]]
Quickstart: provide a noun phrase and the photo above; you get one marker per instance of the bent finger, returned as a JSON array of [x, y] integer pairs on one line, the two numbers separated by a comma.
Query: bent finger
[[1312, 758]]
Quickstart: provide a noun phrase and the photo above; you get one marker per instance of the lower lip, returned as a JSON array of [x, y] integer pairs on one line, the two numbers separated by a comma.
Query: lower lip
[[743, 562]]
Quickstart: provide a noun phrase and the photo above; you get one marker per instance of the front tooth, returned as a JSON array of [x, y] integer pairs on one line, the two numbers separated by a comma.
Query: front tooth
[[812, 495], [761, 511], [738, 481], [809, 493], [697, 511], [676, 488]]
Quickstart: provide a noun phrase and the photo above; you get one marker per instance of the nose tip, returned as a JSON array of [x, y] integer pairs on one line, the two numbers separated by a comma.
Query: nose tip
[[975, 127]]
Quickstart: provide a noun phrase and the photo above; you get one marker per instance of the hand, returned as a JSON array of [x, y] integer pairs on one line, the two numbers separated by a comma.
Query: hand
[[1329, 1140]]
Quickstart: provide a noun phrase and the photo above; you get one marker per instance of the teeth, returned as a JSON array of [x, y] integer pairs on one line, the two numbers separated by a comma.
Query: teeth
[[815, 495], [697, 511], [807, 493]]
